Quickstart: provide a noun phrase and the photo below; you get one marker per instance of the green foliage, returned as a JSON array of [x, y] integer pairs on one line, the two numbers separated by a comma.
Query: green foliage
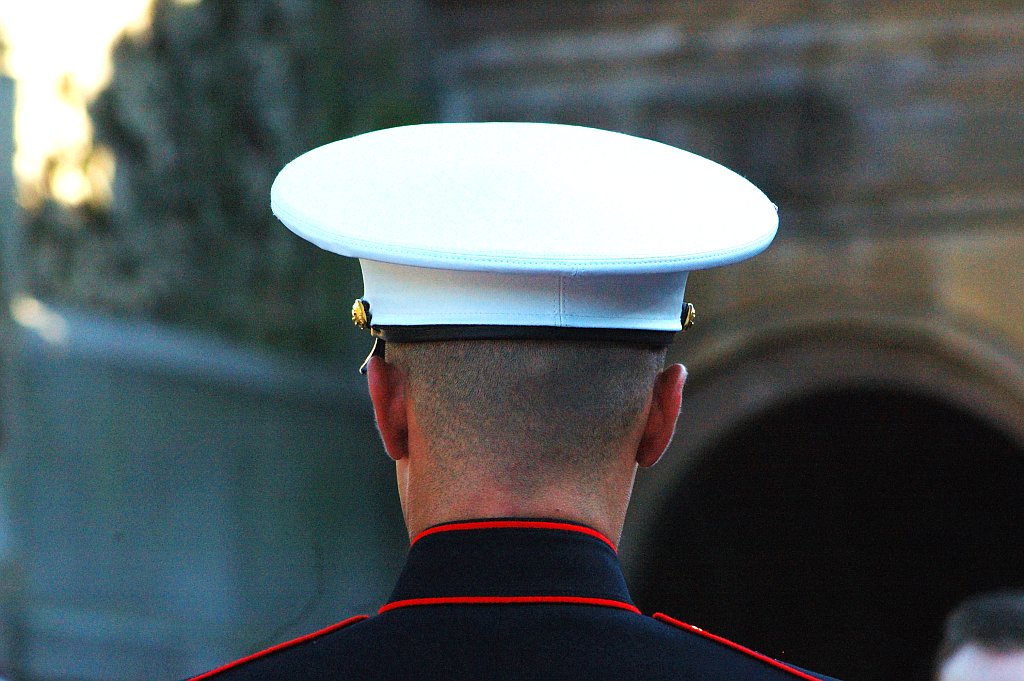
[[202, 111]]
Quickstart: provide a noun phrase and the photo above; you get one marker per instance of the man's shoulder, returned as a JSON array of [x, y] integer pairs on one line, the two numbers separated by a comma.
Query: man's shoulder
[[738, 650], [260, 664]]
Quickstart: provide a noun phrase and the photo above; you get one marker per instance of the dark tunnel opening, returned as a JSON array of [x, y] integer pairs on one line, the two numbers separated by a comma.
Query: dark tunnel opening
[[837, 530]]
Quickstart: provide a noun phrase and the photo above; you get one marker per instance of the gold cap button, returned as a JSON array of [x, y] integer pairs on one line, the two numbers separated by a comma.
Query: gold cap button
[[361, 313], [689, 315]]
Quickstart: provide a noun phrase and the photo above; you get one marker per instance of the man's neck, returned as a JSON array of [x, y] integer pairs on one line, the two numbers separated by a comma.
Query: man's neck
[[602, 510]]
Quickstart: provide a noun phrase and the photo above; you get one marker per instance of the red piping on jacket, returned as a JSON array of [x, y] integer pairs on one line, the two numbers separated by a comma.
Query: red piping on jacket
[[518, 524], [280, 646], [735, 646], [509, 600]]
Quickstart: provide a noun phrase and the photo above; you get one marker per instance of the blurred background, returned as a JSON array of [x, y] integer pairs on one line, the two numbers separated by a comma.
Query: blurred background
[[189, 469]]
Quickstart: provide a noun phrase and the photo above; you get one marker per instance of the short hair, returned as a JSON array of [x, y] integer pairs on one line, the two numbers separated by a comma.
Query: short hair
[[994, 621], [530, 409]]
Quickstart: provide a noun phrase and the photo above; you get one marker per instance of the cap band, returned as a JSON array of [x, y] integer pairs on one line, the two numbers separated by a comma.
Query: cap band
[[403, 295], [445, 332]]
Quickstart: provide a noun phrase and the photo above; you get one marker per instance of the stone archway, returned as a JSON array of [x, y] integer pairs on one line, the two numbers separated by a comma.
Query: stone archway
[[838, 489]]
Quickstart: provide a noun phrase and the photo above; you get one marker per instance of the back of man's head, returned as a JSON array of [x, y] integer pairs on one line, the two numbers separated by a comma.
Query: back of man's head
[[984, 639], [531, 411]]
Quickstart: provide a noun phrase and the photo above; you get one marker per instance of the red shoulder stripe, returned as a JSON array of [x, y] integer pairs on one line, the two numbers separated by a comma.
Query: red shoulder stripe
[[521, 524], [735, 646], [280, 646], [509, 600]]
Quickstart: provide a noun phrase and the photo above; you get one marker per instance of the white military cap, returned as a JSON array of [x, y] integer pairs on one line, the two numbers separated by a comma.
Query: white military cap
[[498, 230]]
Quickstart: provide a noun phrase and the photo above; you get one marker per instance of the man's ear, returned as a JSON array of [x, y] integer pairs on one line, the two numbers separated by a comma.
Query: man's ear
[[388, 393], [666, 398]]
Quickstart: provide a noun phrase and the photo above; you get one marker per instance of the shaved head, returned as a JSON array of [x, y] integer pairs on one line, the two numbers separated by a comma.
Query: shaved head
[[531, 411]]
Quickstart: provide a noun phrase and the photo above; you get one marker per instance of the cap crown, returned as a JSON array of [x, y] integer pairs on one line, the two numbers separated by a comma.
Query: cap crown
[[522, 197]]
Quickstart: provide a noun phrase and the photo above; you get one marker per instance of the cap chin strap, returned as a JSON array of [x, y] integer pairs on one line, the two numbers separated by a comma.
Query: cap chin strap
[[376, 351]]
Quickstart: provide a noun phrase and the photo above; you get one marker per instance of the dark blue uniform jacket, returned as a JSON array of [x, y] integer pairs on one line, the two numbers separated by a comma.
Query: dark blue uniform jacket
[[507, 599]]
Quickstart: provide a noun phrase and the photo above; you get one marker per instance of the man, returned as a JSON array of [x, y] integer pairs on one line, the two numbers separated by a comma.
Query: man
[[522, 283], [984, 640]]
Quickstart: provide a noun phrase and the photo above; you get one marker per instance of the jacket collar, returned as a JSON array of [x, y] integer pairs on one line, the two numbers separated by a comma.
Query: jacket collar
[[505, 560]]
